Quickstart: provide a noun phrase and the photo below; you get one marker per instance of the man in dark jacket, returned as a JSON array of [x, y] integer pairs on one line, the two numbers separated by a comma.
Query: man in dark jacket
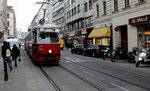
[[5, 56]]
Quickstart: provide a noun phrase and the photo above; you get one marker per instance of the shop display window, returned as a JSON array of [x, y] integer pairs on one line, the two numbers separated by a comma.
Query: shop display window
[[103, 41]]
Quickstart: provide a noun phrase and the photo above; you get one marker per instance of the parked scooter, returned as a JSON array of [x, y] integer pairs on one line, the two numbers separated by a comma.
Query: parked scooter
[[107, 53], [120, 53], [144, 58]]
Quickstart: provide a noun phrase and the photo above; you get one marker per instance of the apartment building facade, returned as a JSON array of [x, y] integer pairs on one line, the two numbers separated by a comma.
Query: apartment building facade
[[114, 23], [58, 14], [11, 23], [3, 20], [78, 19], [128, 20]]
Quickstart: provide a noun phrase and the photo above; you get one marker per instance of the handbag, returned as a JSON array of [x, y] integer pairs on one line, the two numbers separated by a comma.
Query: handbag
[[19, 59]]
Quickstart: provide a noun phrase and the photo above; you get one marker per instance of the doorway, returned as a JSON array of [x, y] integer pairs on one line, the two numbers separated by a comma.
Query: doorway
[[124, 37]]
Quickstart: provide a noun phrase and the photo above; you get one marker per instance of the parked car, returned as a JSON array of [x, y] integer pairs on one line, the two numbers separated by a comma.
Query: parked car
[[95, 50], [78, 49]]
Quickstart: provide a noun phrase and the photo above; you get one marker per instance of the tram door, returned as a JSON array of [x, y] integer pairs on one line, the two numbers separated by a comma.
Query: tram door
[[124, 37]]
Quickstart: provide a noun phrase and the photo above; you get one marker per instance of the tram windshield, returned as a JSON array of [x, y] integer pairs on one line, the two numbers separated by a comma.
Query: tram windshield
[[46, 38]]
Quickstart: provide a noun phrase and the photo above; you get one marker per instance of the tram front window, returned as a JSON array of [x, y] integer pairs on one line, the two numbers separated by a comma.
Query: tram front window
[[47, 38]]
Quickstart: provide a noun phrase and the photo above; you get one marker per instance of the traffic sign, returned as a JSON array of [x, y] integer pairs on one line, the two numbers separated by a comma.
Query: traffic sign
[[117, 29]]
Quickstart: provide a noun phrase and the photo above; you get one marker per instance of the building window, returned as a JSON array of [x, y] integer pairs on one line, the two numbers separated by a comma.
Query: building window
[[126, 3], [140, 1], [8, 23], [88, 22], [85, 7], [7, 15], [90, 4], [72, 1], [97, 10], [104, 7], [78, 8], [74, 10], [82, 23], [69, 14], [115, 5]]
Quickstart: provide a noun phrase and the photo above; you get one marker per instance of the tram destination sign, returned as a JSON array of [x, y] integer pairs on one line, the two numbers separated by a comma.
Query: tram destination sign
[[139, 20], [49, 30]]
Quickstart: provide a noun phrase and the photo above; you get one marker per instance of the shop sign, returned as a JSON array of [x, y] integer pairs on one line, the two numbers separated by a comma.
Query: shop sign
[[83, 31], [72, 33], [139, 20]]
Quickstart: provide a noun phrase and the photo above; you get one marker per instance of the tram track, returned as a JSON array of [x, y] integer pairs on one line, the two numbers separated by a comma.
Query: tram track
[[50, 80], [98, 71], [85, 80]]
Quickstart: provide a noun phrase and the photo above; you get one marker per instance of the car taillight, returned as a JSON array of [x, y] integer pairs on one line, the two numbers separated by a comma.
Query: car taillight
[[97, 48], [81, 48]]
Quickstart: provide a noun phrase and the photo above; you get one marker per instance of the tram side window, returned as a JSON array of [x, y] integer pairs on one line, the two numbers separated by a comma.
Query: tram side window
[[47, 38], [35, 35]]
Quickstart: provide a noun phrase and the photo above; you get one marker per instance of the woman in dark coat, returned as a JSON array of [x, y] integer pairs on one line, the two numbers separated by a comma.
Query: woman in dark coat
[[15, 54], [5, 56]]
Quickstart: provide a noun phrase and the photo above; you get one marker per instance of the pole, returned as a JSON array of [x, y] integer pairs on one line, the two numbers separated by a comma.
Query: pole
[[5, 70]]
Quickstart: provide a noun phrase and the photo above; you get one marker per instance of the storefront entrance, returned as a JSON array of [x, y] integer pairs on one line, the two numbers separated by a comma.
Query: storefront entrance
[[124, 37]]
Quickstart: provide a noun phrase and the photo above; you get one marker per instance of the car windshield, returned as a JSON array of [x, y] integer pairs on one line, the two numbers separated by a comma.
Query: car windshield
[[79, 46], [102, 47]]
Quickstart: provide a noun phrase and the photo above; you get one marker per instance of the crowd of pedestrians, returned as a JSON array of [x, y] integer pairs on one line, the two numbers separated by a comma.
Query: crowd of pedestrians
[[9, 55]]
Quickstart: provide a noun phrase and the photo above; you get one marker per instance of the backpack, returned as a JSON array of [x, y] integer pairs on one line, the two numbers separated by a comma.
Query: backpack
[[8, 53]]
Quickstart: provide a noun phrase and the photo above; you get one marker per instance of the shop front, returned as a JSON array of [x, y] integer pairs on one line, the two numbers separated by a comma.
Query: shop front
[[101, 36], [143, 29], [81, 36]]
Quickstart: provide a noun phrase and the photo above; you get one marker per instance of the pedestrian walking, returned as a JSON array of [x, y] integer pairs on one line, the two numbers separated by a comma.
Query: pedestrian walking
[[6, 54], [15, 54]]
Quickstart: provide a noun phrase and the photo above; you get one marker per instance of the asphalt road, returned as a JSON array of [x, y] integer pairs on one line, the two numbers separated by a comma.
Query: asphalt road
[[76, 73], [105, 75]]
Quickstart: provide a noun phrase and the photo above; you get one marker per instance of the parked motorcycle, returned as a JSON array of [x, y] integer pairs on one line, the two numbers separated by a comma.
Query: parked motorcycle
[[120, 53], [144, 58], [132, 54]]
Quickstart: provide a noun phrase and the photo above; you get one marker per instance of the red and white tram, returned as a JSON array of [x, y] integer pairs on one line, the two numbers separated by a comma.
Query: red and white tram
[[42, 43]]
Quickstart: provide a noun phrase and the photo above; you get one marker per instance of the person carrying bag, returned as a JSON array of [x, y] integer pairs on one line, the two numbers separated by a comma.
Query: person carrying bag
[[15, 54], [6, 54]]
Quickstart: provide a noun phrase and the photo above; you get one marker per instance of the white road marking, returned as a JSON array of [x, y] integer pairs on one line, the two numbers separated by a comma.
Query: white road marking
[[68, 61], [93, 75], [119, 87], [74, 59], [88, 73]]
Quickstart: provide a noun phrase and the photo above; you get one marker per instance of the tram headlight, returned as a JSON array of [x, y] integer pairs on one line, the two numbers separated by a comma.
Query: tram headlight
[[49, 51]]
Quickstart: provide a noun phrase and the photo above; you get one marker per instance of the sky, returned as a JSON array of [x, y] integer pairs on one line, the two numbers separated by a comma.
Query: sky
[[25, 11]]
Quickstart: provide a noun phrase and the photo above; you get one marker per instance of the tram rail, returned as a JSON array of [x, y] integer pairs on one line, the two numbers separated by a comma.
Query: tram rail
[[94, 85], [50, 80]]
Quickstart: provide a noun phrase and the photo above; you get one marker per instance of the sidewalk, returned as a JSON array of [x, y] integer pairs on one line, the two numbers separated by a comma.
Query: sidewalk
[[25, 77]]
